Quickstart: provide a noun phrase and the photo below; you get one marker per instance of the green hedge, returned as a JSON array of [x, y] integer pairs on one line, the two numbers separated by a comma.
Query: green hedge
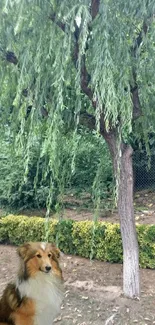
[[101, 240]]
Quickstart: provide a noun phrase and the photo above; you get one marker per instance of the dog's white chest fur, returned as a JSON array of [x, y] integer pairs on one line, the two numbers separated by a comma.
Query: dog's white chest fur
[[47, 292]]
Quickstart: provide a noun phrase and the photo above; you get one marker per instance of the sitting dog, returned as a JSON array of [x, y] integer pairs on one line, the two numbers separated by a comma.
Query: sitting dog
[[36, 296]]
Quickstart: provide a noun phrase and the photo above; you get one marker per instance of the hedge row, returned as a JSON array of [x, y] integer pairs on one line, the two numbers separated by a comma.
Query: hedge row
[[101, 240]]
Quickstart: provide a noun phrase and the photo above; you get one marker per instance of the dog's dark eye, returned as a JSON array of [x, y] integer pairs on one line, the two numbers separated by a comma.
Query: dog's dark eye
[[38, 255], [49, 255]]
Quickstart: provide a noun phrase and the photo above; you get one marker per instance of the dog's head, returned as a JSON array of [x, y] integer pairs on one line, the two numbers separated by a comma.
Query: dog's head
[[40, 257]]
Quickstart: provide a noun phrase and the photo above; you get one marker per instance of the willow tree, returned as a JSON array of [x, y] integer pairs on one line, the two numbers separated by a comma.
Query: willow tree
[[94, 61]]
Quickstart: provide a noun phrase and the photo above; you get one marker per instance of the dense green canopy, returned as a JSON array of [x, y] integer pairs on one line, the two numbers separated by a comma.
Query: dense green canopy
[[68, 62]]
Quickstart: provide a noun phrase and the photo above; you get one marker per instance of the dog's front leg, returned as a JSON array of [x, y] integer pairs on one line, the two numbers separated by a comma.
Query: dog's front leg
[[24, 315]]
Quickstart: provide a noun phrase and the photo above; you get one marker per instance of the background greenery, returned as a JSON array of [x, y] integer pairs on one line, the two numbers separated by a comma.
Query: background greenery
[[20, 188], [44, 151], [101, 240]]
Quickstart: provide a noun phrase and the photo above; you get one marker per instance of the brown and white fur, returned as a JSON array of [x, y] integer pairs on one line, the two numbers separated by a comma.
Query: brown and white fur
[[36, 296]]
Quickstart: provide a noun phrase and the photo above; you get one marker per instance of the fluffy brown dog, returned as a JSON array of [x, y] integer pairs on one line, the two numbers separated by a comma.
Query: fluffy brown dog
[[36, 296]]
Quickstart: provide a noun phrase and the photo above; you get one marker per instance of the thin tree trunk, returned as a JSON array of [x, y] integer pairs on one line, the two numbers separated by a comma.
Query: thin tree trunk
[[123, 168], [128, 229]]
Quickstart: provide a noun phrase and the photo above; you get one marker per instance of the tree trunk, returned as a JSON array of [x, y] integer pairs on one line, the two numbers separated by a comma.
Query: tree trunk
[[128, 228], [122, 162]]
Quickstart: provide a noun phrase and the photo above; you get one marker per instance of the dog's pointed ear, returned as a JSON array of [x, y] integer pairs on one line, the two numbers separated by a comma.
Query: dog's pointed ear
[[23, 249]]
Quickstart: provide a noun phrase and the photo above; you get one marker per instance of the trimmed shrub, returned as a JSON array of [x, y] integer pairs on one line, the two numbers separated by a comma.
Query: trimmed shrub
[[63, 236], [113, 243], [146, 239], [100, 240], [82, 237], [89, 239], [19, 229]]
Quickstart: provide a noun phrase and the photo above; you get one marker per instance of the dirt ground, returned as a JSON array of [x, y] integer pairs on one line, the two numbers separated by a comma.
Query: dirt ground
[[80, 209], [144, 206], [93, 292]]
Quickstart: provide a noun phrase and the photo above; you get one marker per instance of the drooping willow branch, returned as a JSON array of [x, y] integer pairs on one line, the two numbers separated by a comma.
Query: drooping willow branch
[[85, 77], [86, 118], [134, 88], [59, 23]]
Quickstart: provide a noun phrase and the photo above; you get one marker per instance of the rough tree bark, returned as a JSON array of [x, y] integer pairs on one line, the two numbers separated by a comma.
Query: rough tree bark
[[122, 164], [131, 283]]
